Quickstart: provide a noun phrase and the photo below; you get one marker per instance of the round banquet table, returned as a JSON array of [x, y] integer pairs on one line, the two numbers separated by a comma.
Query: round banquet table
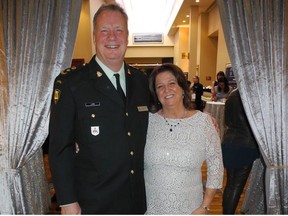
[[216, 109]]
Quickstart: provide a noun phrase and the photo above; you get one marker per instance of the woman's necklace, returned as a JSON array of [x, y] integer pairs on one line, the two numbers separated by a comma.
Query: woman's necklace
[[173, 126]]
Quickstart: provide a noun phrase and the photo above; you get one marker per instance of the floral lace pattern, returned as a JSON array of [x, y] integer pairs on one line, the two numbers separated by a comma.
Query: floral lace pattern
[[173, 161]]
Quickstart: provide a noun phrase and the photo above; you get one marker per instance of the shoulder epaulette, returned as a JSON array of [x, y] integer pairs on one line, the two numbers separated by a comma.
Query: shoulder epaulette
[[73, 68], [133, 67]]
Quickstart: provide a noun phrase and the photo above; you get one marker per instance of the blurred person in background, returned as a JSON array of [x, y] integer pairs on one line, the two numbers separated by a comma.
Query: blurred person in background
[[222, 90], [197, 92], [239, 149], [215, 82]]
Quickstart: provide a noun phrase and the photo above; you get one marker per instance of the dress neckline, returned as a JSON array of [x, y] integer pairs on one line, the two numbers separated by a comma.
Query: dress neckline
[[177, 119]]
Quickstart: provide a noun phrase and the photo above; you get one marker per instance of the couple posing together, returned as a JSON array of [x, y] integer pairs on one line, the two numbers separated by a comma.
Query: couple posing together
[[106, 118]]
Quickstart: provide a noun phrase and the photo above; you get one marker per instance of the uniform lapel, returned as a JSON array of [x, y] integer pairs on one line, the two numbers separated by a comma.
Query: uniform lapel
[[102, 82], [129, 83]]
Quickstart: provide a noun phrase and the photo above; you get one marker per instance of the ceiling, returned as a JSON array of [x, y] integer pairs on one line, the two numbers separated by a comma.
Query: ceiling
[[185, 10], [160, 16]]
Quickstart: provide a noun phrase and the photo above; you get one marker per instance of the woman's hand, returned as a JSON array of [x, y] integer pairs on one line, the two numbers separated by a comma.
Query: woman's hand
[[214, 97], [199, 211]]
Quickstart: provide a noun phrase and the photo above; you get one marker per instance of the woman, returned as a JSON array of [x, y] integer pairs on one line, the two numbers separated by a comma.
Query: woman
[[215, 83], [239, 151], [179, 140], [222, 90]]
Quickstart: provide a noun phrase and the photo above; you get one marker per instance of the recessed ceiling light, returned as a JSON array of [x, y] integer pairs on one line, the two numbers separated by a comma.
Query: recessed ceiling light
[[187, 15], [152, 23], [184, 21], [197, 1]]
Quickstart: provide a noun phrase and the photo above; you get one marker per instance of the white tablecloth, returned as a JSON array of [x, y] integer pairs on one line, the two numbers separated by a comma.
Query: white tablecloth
[[216, 109]]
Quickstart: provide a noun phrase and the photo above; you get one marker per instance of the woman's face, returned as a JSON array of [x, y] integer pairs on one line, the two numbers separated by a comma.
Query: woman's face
[[169, 93], [221, 85]]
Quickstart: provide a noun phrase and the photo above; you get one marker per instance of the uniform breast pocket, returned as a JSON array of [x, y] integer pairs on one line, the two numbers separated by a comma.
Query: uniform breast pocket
[[91, 123]]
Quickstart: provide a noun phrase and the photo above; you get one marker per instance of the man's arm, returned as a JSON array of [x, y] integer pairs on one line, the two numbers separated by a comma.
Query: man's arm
[[62, 142]]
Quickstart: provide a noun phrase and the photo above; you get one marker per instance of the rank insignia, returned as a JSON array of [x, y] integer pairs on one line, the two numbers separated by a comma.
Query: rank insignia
[[63, 72], [59, 81], [99, 74], [56, 95]]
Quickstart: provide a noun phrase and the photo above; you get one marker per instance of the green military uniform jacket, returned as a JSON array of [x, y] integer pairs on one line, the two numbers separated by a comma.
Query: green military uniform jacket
[[106, 175]]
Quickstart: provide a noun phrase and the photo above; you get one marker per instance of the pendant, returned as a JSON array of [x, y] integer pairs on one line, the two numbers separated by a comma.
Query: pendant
[[170, 129]]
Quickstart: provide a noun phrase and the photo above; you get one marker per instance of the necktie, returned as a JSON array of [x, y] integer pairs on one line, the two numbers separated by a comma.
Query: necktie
[[119, 89]]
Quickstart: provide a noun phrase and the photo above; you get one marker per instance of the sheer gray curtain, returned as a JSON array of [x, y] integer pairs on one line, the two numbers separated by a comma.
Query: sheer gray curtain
[[36, 41], [256, 34]]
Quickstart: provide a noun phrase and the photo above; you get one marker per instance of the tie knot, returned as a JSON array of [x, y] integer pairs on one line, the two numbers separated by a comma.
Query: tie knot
[[117, 76]]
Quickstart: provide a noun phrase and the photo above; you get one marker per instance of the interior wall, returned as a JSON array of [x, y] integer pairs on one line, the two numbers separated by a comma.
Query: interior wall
[[200, 57], [83, 47], [222, 52], [184, 49], [215, 31], [193, 40], [149, 52], [176, 48], [207, 52]]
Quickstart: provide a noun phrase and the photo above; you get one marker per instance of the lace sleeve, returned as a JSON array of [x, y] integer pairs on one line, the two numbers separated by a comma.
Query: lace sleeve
[[215, 170]]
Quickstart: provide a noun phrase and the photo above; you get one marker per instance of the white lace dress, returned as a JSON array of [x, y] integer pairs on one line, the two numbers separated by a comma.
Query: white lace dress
[[173, 161]]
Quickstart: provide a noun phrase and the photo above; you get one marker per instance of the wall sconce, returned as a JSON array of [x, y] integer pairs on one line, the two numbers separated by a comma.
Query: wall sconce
[[185, 55]]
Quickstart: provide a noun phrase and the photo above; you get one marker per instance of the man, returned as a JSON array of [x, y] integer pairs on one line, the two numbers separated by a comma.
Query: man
[[197, 89], [98, 133]]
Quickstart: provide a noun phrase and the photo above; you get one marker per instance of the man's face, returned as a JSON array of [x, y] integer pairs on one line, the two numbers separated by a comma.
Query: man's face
[[111, 37]]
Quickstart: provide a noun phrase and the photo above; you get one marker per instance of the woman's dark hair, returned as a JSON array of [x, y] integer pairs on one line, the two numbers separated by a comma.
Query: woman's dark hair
[[181, 80], [220, 74], [225, 81]]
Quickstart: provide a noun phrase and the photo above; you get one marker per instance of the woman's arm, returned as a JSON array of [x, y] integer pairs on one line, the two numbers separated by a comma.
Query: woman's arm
[[205, 206]]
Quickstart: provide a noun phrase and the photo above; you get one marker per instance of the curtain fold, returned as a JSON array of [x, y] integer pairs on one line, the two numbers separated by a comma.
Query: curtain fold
[[255, 199], [256, 34], [36, 42]]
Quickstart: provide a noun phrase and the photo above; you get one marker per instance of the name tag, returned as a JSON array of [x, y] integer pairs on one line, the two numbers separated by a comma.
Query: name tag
[[92, 104], [142, 108]]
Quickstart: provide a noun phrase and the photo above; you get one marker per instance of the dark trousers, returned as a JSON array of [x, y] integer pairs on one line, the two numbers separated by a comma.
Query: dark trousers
[[236, 180]]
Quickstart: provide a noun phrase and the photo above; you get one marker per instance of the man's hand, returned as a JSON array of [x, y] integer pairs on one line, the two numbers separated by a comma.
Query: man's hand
[[71, 209], [215, 123]]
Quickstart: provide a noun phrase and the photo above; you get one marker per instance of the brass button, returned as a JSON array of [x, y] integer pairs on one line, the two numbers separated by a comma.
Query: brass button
[[126, 113], [131, 153], [93, 115], [132, 172], [129, 134]]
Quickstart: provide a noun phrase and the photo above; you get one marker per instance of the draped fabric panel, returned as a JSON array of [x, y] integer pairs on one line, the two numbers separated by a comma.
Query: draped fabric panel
[[254, 200], [36, 42], [256, 34]]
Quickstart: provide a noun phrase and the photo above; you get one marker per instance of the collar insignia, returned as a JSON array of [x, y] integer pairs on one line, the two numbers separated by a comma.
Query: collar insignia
[[129, 72], [99, 74]]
